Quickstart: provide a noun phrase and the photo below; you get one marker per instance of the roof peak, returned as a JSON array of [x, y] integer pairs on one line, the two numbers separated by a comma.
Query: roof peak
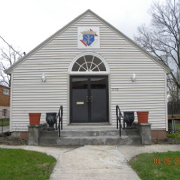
[[10, 69]]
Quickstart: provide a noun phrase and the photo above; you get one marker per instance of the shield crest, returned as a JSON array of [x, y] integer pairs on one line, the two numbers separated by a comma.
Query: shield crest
[[88, 39]]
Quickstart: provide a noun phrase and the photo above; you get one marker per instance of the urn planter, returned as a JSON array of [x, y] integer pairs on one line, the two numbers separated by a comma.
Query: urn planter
[[129, 118], [34, 118], [51, 119], [142, 116]]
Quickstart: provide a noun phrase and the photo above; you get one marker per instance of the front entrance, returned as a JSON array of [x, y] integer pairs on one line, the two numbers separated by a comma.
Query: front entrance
[[89, 99]]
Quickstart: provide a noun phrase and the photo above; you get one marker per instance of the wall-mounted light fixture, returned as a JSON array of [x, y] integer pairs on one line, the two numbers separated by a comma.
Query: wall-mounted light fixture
[[133, 78], [43, 78]]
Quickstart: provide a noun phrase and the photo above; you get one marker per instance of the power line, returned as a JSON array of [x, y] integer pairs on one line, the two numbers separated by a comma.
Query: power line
[[10, 46]]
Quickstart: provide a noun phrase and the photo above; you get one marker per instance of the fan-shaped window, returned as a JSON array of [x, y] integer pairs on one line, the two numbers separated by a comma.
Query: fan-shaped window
[[88, 63]]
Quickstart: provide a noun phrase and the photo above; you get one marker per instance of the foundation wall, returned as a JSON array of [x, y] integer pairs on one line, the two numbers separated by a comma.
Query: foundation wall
[[23, 135], [158, 134], [155, 134]]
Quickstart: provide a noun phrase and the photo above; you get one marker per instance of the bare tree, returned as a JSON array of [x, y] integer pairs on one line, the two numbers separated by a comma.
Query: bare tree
[[162, 37], [8, 56], [174, 91]]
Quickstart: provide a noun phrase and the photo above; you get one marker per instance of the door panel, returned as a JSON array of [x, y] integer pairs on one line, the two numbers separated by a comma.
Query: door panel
[[89, 99], [99, 106], [99, 102], [79, 106]]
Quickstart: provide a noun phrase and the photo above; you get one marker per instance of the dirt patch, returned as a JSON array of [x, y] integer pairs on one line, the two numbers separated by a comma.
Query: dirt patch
[[166, 141], [6, 139]]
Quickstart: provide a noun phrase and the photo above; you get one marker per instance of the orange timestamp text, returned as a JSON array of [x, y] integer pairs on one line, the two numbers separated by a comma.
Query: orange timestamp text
[[166, 161]]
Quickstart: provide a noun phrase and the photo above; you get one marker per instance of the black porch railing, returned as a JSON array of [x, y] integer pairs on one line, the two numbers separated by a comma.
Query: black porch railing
[[60, 124], [118, 119]]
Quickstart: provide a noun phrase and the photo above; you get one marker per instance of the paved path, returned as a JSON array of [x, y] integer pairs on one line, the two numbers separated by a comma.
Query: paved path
[[95, 162]]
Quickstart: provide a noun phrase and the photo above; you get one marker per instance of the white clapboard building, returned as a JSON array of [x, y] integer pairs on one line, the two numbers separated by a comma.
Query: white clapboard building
[[88, 67]]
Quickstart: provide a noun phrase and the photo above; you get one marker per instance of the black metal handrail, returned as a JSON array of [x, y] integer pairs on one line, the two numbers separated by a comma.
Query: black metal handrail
[[60, 115], [118, 118]]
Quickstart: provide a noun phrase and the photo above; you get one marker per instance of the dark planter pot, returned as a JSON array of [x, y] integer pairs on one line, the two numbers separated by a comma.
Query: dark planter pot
[[51, 119], [129, 118], [142, 116], [34, 118]]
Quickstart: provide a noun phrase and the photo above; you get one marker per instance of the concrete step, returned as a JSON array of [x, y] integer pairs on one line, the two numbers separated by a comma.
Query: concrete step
[[101, 140], [130, 132], [101, 131], [80, 141], [49, 134], [106, 135], [82, 133], [94, 132], [48, 138]]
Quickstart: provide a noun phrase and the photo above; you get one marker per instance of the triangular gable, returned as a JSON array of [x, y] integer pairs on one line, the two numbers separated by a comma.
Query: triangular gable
[[10, 69]]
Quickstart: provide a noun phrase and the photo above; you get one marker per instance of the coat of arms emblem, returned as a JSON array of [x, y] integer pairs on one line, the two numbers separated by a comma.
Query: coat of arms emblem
[[88, 37]]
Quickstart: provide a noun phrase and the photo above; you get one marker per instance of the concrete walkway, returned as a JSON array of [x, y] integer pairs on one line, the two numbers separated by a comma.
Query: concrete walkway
[[95, 162]]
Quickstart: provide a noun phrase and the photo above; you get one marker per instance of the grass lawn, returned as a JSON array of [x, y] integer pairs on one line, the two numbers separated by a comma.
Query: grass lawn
[[177, 126], [177, 134], [157, 166], [4, 122], [174, 136], [18, 164]]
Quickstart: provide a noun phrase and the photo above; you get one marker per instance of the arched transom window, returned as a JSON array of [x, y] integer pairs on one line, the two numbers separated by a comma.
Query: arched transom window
[[88, 63]]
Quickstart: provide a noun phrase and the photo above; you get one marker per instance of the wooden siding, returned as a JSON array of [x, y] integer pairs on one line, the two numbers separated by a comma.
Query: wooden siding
[[30, 94]]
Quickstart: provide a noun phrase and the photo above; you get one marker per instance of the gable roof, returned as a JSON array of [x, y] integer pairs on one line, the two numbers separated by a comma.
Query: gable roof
[[10, 69]]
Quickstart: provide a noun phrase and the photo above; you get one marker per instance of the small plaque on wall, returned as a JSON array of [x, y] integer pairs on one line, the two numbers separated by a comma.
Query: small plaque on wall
[[88, 37], [79, 102]]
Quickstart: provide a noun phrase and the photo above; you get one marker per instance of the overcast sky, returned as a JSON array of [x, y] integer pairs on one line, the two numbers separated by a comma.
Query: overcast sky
[[26, 23]]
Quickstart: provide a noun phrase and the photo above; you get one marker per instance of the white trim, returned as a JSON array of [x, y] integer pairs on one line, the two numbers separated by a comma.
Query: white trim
[[88, 73], [11, 98], [109, 99], [99, 73], [110, 102], [166, 101], [68, 101]]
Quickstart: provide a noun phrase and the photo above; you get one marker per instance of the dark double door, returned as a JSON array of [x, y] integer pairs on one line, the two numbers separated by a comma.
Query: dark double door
[[89, 99]]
